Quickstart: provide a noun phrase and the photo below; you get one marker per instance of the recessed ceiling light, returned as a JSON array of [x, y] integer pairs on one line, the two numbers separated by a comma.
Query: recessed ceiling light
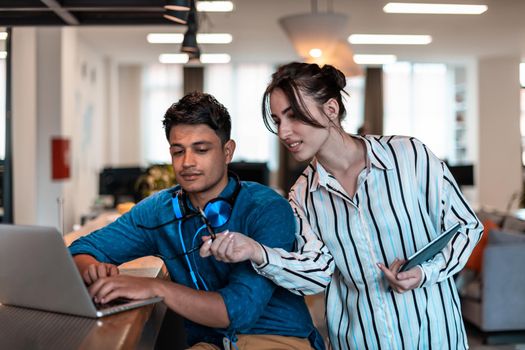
[[165, 38], [214, 6], [450, 9], [215, 58], [214, 38], [177, 38], [3, 35], [180, 58], [3, 55], [389, 39], [374, 59]]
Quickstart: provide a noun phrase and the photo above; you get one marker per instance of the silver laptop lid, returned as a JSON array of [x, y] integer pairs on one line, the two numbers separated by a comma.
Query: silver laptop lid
[[37, 271]]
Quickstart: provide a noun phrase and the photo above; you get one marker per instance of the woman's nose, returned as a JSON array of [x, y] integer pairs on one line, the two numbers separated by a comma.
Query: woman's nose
[[284, 130]]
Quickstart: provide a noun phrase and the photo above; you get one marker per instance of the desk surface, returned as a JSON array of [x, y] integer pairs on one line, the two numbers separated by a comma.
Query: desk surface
[[28, 329]]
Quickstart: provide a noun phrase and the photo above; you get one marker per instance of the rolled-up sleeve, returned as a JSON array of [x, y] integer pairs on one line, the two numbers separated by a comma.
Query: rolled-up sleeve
[[118, 242], [306, 271], [455, 255]]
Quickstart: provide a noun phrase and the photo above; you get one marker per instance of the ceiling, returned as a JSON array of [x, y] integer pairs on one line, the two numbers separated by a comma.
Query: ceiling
[[257, 36]]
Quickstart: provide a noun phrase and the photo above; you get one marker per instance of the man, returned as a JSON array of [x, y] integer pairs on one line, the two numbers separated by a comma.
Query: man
[[219, 301]]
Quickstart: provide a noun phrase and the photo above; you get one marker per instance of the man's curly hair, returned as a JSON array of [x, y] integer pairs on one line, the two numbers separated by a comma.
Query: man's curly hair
[[199, 108]]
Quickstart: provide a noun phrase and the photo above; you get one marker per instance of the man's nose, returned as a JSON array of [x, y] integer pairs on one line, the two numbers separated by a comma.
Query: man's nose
[[189, 159]]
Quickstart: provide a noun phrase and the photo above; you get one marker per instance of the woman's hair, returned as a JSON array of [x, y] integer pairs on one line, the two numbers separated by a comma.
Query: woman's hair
[[321, 84]]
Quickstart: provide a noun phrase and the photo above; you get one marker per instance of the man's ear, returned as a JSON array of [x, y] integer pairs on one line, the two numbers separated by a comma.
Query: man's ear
[[229, 149], [331, 109]]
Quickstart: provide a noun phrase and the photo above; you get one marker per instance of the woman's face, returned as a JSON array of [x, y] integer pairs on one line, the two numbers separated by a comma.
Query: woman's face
[[302, 140]]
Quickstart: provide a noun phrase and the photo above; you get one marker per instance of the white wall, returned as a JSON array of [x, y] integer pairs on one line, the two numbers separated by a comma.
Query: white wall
[[59, 89], [499, 173]]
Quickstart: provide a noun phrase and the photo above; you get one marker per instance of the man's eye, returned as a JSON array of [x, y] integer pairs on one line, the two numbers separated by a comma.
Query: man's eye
[[202, 150], [177, 153]]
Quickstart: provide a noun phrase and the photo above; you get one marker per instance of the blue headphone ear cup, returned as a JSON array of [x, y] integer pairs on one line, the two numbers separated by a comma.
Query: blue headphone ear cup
[[218, 212], [178, 206]]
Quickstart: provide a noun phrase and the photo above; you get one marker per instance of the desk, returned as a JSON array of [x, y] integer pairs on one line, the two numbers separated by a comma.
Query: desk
[[134, 329]]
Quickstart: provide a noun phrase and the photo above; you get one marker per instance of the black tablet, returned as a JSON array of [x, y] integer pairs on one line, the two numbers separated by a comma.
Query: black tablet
[[431, 249]]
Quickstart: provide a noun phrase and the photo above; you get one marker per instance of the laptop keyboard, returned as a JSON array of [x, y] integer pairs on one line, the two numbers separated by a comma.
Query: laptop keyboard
[[113, 303]]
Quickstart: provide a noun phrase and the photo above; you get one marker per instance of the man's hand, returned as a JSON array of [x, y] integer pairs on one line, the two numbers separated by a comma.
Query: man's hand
[[403, 281], [106, 289], [232, 247], [92, 269]]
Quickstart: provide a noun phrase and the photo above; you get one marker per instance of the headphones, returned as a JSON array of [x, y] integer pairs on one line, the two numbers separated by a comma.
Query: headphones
[[217, 211]]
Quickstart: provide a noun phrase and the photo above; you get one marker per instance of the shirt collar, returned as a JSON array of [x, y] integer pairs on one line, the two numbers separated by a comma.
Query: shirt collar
[[377, 157]]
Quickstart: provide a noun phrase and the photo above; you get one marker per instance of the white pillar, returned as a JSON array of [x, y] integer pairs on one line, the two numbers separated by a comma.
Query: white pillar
[[24, 126], [129, 111], [499, 166]]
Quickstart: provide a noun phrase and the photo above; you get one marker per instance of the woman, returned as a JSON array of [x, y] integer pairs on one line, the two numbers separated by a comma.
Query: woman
[[363, 205]]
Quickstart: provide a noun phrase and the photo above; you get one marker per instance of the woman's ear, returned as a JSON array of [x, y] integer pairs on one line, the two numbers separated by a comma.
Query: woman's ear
[[331, 109], [229, 149]]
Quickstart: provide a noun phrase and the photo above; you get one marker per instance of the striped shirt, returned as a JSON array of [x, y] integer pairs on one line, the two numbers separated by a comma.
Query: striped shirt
[[405, 197]]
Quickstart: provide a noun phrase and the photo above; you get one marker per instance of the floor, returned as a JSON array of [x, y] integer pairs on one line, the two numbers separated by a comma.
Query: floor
[[510, 341]]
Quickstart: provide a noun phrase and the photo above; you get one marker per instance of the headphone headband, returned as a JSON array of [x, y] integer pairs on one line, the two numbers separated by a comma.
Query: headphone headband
[[215, 211]]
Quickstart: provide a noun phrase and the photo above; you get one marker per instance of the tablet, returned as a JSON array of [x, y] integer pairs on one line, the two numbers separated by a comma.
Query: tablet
[[431, 249]]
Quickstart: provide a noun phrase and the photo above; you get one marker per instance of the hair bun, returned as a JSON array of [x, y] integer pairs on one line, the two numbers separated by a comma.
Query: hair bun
[[335, 75]]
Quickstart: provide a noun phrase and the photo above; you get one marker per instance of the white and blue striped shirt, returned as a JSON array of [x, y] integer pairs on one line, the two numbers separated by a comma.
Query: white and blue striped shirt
[[405, 197]]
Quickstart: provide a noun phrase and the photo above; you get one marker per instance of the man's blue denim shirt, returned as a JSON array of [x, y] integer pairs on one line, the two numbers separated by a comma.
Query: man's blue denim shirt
[[255, 305]]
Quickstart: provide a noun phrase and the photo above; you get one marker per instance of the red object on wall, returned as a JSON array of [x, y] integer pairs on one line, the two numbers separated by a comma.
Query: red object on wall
[[60, 158]]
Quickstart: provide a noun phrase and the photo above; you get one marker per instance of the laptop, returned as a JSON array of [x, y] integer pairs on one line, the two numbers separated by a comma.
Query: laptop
[[37, 271]]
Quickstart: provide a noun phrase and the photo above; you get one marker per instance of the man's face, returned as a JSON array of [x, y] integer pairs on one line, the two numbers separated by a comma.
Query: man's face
[[199, 159]]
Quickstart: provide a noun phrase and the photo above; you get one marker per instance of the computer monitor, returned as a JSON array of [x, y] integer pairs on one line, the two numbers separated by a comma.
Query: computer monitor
[[251, 171], [463, 174], [120, 183]]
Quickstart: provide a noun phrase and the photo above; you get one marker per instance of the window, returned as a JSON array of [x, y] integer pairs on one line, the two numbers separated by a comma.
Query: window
[[417, 103], [240, 88], [354, 104], [162, 86]]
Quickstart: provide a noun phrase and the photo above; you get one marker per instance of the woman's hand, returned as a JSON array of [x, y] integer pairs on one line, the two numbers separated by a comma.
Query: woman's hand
[[232, 247], [401, 282]]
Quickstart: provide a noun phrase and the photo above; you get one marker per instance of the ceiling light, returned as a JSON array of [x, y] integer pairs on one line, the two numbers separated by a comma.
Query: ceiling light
[[214, 38], [165, 38], [323, 34], [389, 39], [316, 53], [317, 30], [176, 38], [214, 6], [180, 58], [176, 16], [3, 35], [374, 59], [341, 57], [183, 58], [215, 58], [189, 44], [177, 5], [451, 9]]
